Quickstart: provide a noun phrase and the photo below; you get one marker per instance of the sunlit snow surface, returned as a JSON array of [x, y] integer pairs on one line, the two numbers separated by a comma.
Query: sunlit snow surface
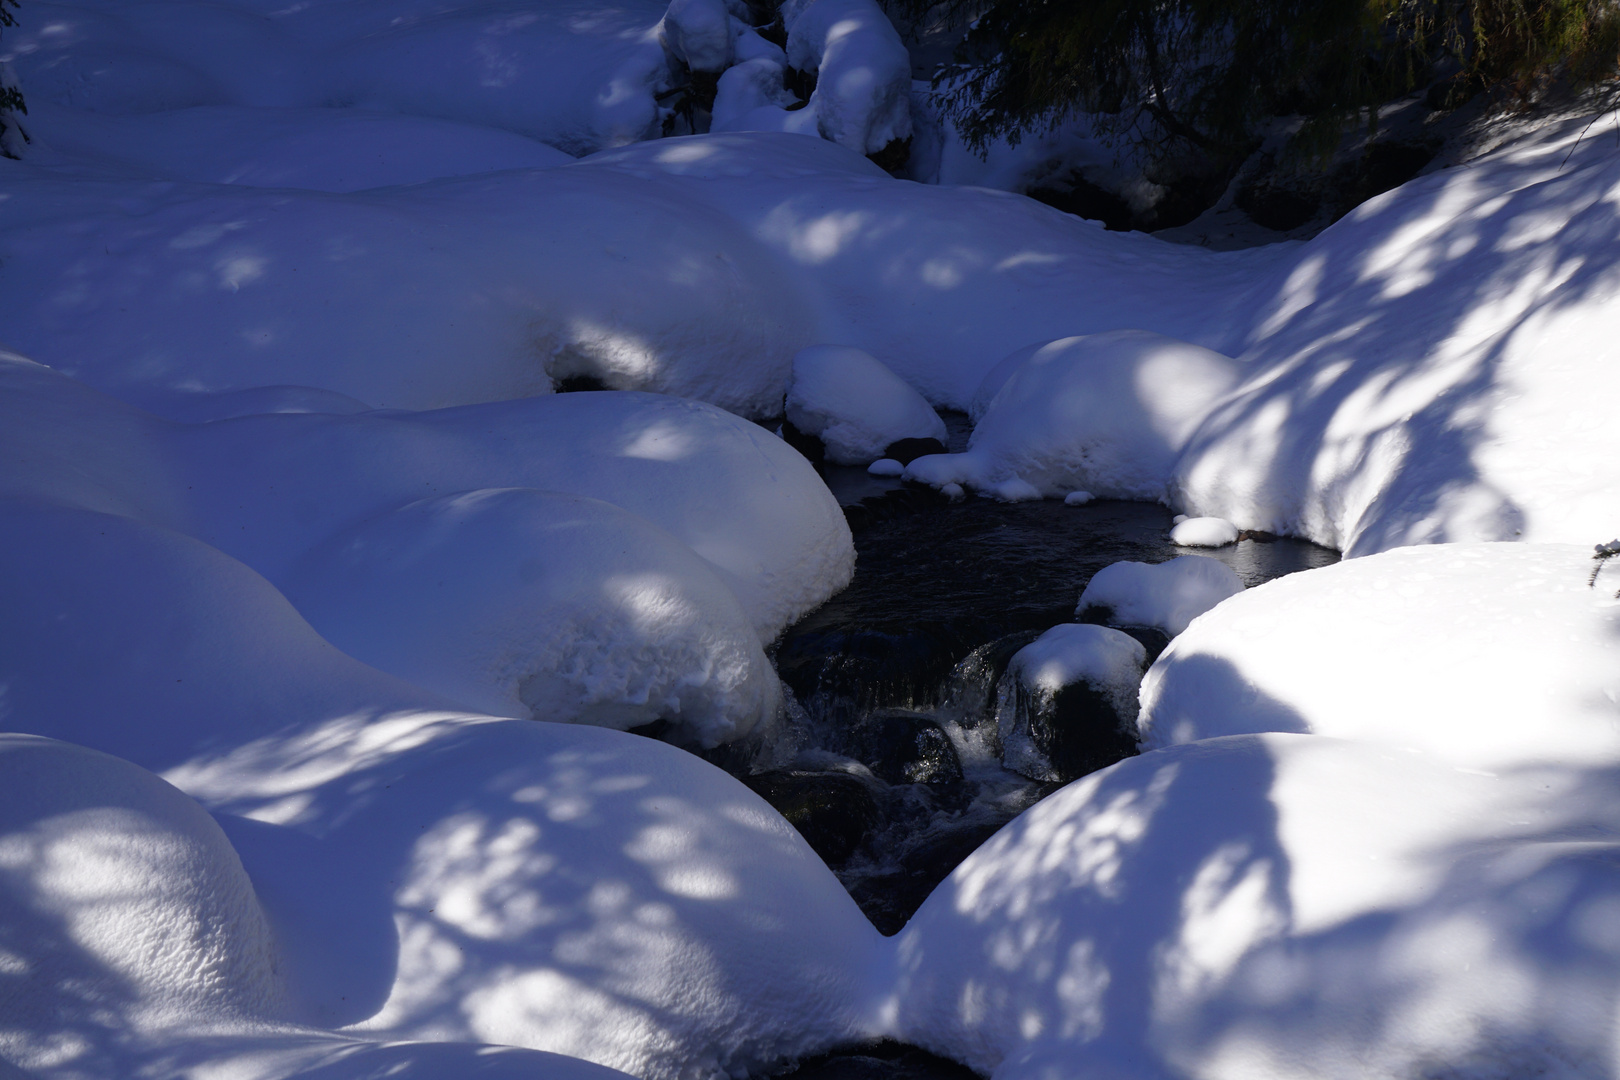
[[290, 520]]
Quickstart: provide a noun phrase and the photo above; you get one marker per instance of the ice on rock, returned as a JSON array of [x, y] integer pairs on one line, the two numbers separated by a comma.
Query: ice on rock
[[855, 405], [1278, 905], [1167, 596], [1030, 717], [517, 601], [1493, 656], [125, 910], [1107, 412], [1203, 532]]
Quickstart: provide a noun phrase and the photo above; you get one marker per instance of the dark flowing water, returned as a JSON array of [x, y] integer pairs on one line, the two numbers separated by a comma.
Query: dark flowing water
[[889, 762]]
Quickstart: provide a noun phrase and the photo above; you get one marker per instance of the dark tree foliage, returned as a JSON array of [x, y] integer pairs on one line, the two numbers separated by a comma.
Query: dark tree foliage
[[11, 99], [1209, 73]]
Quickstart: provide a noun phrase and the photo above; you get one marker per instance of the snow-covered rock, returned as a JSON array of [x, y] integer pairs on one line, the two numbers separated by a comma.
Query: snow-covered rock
[[1279, 905], [746, 87], [125, 911], [1108, 413], [698, 33], [519, 602], [1166, 596], [737, 496], [862, 98], [1494, 656], [855, 405], [1033, 724], [1203, 532]]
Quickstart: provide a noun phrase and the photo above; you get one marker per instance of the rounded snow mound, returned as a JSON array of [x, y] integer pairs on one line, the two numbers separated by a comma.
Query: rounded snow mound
[[1167, 596], [517, 601], [122, 902], [855, 405], [1106, 413], [1488, 655], [1277, 905], [1204, 532]]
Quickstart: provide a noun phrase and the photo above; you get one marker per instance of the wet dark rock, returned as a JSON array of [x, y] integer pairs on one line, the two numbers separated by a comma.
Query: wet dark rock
[[833, 811], [573, 384], [1082, 198], [1287, 195], [801, 84], [1077, 730], [893, 156], [904, 748], [905, 451], [880, 1061], [892, 897], [811, 446]]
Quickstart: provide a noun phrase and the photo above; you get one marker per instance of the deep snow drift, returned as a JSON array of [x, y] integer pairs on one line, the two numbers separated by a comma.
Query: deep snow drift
[[292, 526]]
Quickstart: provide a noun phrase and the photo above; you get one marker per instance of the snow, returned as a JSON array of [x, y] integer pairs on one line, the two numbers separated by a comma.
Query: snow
[[1078, 498], [1203, 532], [885, 467], [518, 602], [862, 98], [855, 405], [1279, 905], [1492, 656], [1075, 652], [602, 895], [310, 149], [1167, 596], [295, 529], [572, 74], [1107, 413], [124, 904]]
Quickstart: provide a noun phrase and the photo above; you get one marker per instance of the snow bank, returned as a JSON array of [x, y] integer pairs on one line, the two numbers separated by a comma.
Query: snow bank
[[855, 405], [439, 294], [1432, 365], [1167, 595], [517, 601], [724, 533], [124, 908], [943, 282], [603, 895], [1107, 413], [571, 74], [1278, 905], [1492, 656], [311, 149]]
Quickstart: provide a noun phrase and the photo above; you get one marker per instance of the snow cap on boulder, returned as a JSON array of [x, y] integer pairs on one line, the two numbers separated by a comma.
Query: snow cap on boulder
[[1107, 413], [1166, 596], [855, 405]]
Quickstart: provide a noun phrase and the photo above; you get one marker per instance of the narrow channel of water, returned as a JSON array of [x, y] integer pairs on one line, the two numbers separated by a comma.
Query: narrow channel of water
[[889, 761]]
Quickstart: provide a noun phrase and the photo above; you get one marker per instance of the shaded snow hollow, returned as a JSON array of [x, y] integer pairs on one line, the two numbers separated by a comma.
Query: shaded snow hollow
[[296, 541]]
